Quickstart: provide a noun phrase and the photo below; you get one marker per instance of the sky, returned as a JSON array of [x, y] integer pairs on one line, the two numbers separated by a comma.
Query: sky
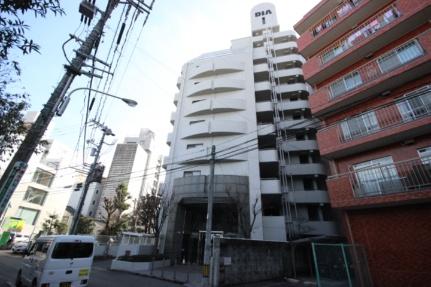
[[147, 72]]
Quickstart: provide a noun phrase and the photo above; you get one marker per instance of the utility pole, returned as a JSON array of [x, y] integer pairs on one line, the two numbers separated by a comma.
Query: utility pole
[[88, 180], [207, 250], [18, 164]]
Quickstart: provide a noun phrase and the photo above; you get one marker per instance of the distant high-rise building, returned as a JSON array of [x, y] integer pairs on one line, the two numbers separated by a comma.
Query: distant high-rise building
[[129, 166], [370, 65], [251, 103]]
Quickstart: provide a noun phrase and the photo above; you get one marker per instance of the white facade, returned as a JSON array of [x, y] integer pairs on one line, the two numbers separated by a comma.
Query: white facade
[[129, 166], [244, 100], [45, 187]]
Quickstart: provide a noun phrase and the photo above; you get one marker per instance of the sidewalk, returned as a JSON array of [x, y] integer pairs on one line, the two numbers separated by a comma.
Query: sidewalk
[[190, 275]]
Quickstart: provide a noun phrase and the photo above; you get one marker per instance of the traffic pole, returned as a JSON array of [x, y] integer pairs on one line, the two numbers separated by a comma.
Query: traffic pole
[[19, 162], [207, 250]]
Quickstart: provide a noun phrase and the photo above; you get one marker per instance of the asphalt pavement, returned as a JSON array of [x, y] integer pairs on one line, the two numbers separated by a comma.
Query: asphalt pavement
[[100, 275]]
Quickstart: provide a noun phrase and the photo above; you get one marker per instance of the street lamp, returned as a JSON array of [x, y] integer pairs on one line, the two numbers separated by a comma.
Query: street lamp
[[63, 104]]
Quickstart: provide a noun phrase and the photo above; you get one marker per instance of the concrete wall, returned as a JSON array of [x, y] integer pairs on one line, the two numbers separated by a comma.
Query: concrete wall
[[246, 261]]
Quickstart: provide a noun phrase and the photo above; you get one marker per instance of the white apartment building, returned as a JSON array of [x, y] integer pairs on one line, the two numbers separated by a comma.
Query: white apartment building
[[44, 189], [251, 103], [129, 166]]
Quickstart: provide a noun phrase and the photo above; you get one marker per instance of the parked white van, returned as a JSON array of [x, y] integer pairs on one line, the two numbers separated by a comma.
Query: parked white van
[[58, 260]]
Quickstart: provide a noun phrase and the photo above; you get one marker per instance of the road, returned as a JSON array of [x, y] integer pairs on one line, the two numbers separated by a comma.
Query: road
[[100, 275]]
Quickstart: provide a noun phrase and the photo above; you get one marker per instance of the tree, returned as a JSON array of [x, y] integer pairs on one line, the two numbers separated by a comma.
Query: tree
[[114, 207], [246, 220], [85, 225], [153, 210], [52, 225], [12, 36]]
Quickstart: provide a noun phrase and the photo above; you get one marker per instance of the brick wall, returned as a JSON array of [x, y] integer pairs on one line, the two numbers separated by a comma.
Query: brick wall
[[398, 244]]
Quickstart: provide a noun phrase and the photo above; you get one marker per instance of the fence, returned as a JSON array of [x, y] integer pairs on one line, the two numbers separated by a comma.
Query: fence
[[341, 265]]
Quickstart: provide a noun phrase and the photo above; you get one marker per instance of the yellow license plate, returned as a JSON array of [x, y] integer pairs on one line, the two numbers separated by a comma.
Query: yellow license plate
[[65, 284], [83, 272]]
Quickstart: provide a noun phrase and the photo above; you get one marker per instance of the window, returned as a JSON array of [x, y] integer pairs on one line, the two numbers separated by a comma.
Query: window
[[263, 21], [28, 215], [414, 107], [359, 126], [43, 177], [308, 183], [313, 213], [63, 250], [192, 173], [400, 56], [345, 84], [195, 122], [304, 158], [377, 176], [190, 146], [78, 186], [327, 213], [271, 205], [425, 155], [35, 195], [196, 101]]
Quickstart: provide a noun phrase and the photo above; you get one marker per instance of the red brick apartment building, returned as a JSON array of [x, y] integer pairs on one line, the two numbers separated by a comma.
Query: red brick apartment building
[[369, 64]]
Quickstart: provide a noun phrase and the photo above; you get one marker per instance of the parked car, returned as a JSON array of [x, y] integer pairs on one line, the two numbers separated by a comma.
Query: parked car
[[57, 260], [20, 247]]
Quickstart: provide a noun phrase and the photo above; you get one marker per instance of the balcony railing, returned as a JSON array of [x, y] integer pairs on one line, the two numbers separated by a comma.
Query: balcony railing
[[364, 31], [383, 179], [340, 11], [412, 106], [386, 63]]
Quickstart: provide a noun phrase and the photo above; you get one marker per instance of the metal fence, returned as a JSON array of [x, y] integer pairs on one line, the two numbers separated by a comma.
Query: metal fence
[[341, 265]]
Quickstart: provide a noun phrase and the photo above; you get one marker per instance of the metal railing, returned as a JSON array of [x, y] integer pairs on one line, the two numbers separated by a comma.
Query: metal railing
[[332, 17], [412, 106], [383, 179], [376, 68], [364, 31]]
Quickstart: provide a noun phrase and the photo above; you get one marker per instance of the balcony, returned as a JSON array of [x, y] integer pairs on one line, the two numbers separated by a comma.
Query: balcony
[[176, 97], [269, 155], [173, 116], [215, 128], [215, 67], [299, 145], [406, 62], [293, 88], [297, 124], [407, 117], [213, 86], [382, 184], [384, 27], [293, 105], [263, 130], [169, 139], [270, 186], [308, 196], [214, 105], [200, 155], [334, 24], [304, 169]]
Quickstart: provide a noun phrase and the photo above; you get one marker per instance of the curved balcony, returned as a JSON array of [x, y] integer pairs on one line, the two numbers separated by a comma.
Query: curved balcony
[[297, 145], [285, 48], [212, 106], [262, 86], [402, 64], [403, 119], [293, 105], [200, 155], [259, 53], [215, 128], [293, 88], [304, 169], [173, 116], [169, 139], [297, 124], [216, 67], [385, 27], [213, 86], [261, 68], [288, 73], [291, 59], [176, 98]]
